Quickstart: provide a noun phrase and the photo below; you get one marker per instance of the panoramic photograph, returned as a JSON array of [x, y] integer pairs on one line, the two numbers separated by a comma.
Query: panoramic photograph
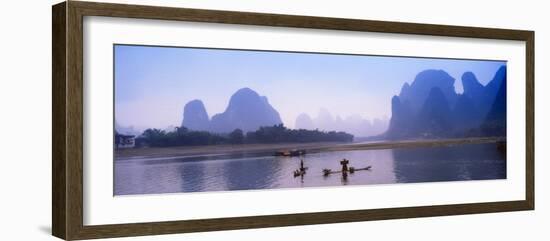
[[201, 119]]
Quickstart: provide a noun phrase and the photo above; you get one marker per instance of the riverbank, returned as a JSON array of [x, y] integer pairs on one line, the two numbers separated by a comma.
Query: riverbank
[[309, 147]]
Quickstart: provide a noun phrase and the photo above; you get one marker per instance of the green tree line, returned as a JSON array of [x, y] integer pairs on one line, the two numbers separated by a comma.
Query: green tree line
[[268, 134]]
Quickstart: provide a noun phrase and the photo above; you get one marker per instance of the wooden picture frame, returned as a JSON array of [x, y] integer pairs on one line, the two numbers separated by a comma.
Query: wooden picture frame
[[67, 124]]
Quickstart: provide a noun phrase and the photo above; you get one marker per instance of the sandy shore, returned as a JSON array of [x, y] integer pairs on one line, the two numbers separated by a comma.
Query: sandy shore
[[309, 147], [218, 149]]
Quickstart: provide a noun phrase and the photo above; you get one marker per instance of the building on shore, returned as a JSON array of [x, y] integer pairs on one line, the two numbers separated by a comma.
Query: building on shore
[[124, 141]]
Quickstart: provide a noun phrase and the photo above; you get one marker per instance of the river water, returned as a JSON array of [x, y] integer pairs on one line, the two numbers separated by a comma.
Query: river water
[[264, 171]]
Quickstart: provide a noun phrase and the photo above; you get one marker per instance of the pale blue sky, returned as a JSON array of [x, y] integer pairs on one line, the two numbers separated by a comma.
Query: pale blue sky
[[152, 84]]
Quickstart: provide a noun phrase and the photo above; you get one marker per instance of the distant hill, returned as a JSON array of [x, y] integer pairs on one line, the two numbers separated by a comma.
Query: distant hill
[[402, 120], [430, 107], [304, 121], [354, 124], [495, 122], [247, 110], [466, 114], [434, 118], [417, 93], [195, 116]]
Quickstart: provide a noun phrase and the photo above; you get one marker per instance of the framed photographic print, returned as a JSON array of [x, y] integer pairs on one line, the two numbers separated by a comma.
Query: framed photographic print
[[171, 120]]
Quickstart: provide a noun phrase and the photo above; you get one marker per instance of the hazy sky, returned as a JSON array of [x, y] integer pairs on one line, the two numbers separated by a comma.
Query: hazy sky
[[152, 84]]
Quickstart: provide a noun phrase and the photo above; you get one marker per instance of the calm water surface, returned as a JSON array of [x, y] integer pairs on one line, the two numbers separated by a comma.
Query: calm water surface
[[263, 171]]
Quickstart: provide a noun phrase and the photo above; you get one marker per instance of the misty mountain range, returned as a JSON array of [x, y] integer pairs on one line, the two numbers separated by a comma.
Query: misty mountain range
[[247, 110], [354, 124], [430, 107]]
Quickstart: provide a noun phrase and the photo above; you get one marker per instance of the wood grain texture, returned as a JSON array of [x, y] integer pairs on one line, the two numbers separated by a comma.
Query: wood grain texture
[[530, 120], [155, 228], [59, 192], [75, 108], [280, 20], [67, 150]]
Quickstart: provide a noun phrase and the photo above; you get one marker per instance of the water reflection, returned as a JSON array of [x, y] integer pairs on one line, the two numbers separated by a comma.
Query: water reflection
[[464, 162], [189, 173], [263, 171], [252, 173]]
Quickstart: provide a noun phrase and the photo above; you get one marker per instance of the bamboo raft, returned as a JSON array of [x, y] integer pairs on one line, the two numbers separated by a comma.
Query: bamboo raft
[[326, 172], [300, 172], [351, 170]]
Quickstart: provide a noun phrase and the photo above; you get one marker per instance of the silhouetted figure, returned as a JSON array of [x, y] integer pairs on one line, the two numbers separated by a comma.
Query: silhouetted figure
[[344, 162], [300, 171]]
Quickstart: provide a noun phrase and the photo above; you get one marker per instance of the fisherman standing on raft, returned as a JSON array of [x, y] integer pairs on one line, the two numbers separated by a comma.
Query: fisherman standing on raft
[[344, 162]]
